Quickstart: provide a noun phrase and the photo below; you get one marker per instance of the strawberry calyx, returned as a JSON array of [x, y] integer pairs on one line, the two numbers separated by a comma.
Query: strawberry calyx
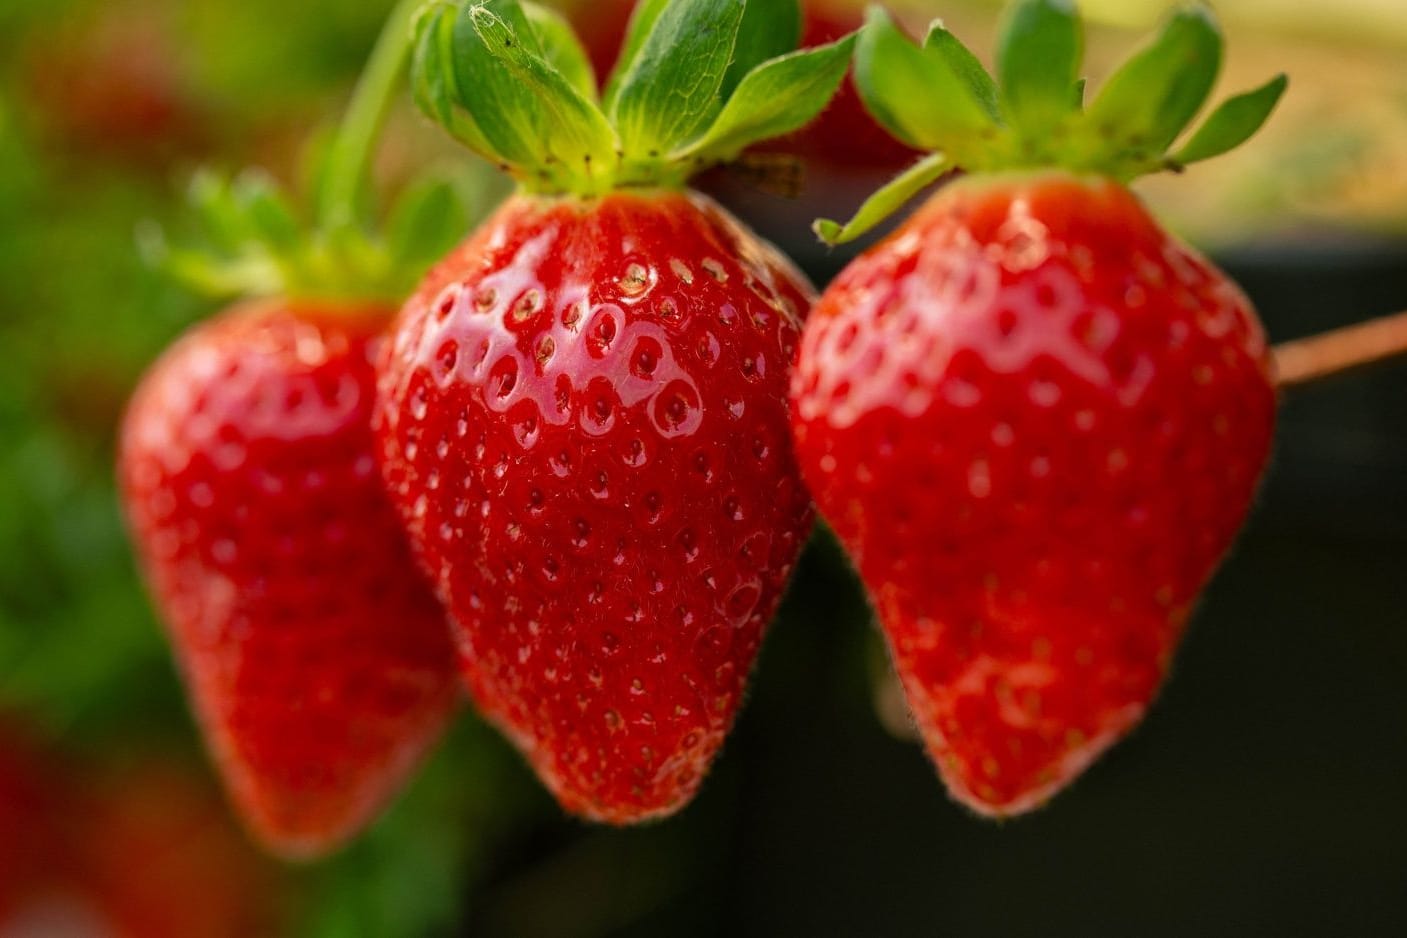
[[697, 81], [252, 239], [1033, 114]]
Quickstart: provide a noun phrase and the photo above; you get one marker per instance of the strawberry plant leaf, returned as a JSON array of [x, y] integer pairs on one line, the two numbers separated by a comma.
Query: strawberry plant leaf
[[434, 81], [512, 84], [1150, 99], [266, 211], [562, 49], [769, 28], [775, 98], [528, 111], [257, 244], [1038, 60], [962, 63], [426, 221], [672, 89], [1034, 116], [1233, 123], [916, 92], [642, 23], [885, 201]]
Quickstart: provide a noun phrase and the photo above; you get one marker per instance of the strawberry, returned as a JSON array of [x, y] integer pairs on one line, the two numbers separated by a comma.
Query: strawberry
[[583, 416], [318, 662], [1035, 420], [316, 657]]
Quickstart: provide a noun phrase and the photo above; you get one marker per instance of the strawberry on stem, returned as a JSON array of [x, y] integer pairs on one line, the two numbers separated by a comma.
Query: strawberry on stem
[[1035, 420], [316, 658], [583, 417]]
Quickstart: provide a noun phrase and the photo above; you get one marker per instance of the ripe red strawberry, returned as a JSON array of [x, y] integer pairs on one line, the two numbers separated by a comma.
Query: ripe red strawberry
[[1034, 419], [318, 662], [583, 417], [585, 429]]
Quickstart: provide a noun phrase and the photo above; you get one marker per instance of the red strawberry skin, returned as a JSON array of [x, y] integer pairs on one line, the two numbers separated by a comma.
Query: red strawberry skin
[[318, 662], [584, 424], [1036, 422]]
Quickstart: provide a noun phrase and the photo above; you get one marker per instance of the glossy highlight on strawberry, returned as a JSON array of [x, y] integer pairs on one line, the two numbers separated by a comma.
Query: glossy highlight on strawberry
[[318, 662], [1036, 422], [583, 424]]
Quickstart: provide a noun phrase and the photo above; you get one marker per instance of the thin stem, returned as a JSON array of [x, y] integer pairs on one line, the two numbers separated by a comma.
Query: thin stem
[[350, 159], [1305, 360]]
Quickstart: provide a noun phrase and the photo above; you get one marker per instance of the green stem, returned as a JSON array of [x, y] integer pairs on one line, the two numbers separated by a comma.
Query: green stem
[[350, 159]]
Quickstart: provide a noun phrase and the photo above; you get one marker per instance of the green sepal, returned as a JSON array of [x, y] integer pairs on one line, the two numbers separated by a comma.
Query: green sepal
[[768, 30], [250, 240], [774, 98], [1150, 99], [697, 82], [562, 49], [428, 219], [642, 23], [885, 201], [1233, 123], [937, 96], [966, 66], [525, 106], [435, 81], [672, 89], [924, 95], [1039, 53]]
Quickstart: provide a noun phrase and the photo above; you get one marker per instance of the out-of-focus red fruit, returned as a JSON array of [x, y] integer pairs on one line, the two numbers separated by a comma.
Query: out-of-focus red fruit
[[163, 859], [145, 852], [112, 87], [318, 661]]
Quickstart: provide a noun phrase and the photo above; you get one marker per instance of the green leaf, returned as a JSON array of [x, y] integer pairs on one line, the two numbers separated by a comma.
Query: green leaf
[[1148, 101], [966, 66], [434, 81], [642, 22], [266, 211], [562, 48], [671, 92], [775, 98], [1233, 123], [428, 219], [769, 28], [919, 94], [525, 107], [217, 211], [886, 201], [1038, 60]]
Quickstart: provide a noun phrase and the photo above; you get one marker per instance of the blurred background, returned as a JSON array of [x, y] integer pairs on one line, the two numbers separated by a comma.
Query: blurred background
[[1263, 796]]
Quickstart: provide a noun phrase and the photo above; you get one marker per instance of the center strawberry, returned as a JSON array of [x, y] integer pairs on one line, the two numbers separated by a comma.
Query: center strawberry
[[583, 418], [584, 426]]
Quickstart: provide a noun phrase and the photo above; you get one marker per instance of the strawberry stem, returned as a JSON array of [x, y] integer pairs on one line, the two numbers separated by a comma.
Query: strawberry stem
[[350, 158], [1306, 360]]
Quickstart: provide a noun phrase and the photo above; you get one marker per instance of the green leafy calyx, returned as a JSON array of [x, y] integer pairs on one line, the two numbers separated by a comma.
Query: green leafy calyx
[[1033, 114], [252, 240], [697, 82]]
